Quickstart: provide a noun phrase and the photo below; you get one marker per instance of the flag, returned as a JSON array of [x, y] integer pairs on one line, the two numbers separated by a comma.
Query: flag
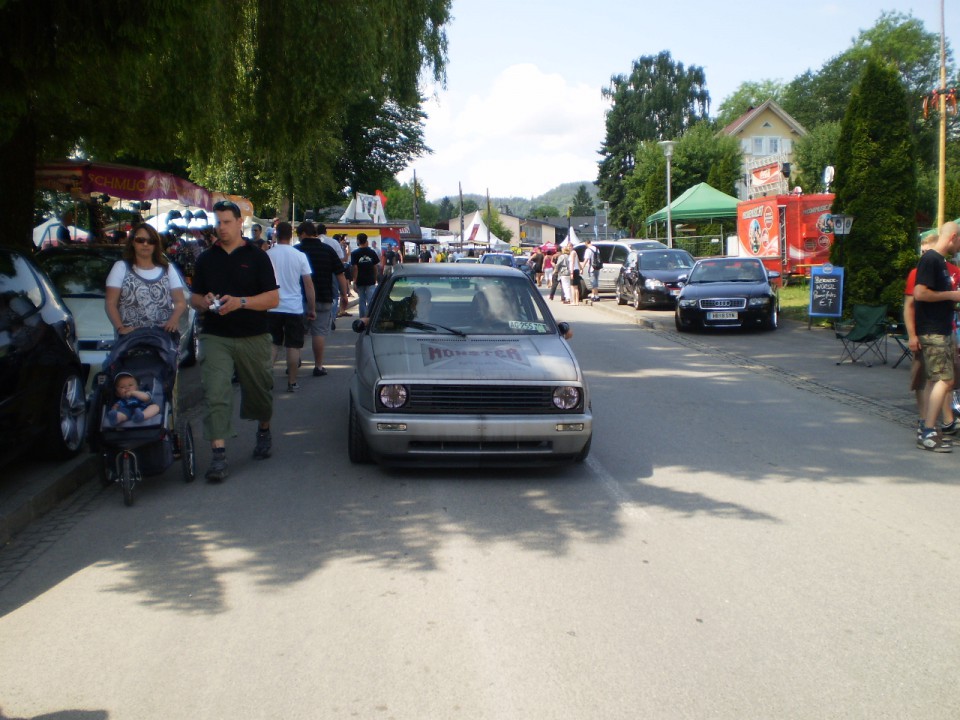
[[460, 185]]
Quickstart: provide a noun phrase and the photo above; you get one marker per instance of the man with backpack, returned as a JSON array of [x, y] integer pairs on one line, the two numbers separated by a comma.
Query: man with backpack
[[388, 259], [592, 263]]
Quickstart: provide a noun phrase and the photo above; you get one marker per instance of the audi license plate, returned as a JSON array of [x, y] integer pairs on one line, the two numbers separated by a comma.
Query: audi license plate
[[722, 315]]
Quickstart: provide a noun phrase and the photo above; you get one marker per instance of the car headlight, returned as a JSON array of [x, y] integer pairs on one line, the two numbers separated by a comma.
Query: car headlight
[[653, 284], [393, 396], [688, 303], [758, 302], [566, 397]]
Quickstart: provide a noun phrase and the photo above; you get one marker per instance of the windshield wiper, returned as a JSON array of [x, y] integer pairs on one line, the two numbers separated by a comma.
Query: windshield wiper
[[431, 327], [97, 295]]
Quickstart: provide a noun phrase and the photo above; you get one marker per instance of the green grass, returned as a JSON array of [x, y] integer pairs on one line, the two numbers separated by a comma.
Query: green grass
[[794, 303]]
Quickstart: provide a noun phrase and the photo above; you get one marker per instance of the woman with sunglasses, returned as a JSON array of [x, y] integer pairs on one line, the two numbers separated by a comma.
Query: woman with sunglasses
[[144, 289]]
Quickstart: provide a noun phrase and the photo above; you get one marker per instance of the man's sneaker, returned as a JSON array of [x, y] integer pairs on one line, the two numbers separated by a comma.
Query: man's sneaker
[[950, 429], [217, 472], [933, 441], [293, 387], [264, 442], [319, 372]]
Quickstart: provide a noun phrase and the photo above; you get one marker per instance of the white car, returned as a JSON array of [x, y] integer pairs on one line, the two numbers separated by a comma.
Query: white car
[[614, 253], [79, 273]]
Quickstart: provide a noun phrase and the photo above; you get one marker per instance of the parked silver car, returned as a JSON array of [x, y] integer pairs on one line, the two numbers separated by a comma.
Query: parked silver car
[[614, 253], [464, 365]]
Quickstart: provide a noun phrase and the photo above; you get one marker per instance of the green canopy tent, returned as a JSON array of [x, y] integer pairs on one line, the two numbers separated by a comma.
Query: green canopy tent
[[701, 202]]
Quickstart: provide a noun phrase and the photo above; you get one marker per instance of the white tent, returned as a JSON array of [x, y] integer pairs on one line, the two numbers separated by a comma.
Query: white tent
[[364, 208], [572, 238], [476, 232], [46, 233]]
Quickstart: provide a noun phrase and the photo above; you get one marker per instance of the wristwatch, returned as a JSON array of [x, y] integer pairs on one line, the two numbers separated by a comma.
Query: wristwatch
[[243, 302]]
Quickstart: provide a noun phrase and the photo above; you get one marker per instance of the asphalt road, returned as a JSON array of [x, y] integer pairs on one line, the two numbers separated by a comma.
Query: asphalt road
[[735, 547]]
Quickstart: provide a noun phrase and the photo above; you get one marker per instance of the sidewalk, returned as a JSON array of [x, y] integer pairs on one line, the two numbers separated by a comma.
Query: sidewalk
[[797, 356]]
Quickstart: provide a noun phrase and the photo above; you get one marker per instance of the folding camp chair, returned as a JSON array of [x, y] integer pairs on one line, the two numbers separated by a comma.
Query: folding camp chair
[[899, 335], [868, 336]]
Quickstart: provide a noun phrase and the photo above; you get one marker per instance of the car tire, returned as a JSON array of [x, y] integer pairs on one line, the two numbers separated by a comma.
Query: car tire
[[772, 321], [357, 447], [637, 304], [193, 348], [676, 321], [620, 299], [67, 423]]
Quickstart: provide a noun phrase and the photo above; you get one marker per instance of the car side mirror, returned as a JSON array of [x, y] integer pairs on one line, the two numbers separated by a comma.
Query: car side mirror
[[565, 331], [683, 278], [773, 274], [359, 325]]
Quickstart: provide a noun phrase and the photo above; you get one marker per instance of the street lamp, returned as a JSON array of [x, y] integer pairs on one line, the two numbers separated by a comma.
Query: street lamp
[[667, 146]]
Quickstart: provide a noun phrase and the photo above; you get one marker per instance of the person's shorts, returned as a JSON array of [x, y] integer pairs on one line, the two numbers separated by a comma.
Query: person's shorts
[[939, 355], [286, 329], [918, 376], [320, 325]]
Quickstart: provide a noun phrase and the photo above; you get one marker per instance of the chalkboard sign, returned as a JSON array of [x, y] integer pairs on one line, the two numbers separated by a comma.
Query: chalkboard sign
[[826, 291]]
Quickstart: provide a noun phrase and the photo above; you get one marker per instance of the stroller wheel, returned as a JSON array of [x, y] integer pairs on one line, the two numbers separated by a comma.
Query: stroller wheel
[[127, 478], [188, 455], [106, 470]]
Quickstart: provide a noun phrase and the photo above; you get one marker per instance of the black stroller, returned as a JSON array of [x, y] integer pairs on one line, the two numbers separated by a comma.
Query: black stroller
[[132, 449]]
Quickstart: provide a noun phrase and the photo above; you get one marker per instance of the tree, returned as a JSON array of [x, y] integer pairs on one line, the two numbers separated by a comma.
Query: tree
[[658, 101], [813, 153], [400, 203], [446, 210], [492, 218], [750, 94], [701, 155], [263, 117], [876, 184], [544, 211], [582, 202]]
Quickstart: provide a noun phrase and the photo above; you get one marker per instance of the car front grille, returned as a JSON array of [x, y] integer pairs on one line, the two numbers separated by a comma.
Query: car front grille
[[472, 399], [723, 303]]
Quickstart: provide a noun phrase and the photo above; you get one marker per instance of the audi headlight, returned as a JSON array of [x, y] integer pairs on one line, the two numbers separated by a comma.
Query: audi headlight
[[688, 303], [758, 302], [566, 397], [653, 284], [393, 396]]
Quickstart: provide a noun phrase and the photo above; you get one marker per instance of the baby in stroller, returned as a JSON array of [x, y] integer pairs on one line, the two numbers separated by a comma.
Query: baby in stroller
[[133, 403], [138, 433]]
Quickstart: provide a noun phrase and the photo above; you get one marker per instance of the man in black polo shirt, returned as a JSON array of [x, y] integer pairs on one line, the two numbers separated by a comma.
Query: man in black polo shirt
[[934, 304], [234, 286]]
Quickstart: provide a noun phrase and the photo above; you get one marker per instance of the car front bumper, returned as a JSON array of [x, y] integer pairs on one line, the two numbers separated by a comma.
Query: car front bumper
[[476, 439]]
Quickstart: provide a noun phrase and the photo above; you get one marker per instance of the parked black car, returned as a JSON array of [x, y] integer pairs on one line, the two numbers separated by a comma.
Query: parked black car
[[652, 277], [42, 403], [728, 292]]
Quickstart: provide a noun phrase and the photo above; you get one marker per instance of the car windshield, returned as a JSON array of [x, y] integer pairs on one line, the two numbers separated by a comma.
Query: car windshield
[[714, 271], [489, 259], [653, 260], [462, 305], [79, 274]]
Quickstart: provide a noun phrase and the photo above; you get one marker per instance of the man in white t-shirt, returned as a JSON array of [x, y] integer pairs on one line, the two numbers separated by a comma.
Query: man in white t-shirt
[[287, 319]]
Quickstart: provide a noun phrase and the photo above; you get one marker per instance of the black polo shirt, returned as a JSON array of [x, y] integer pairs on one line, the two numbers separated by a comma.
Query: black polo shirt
[[245, 272], [324, 265], [934, 318]]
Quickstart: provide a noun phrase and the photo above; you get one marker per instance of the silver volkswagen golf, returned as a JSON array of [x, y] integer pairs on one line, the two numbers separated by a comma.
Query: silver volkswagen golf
[[464, 365]]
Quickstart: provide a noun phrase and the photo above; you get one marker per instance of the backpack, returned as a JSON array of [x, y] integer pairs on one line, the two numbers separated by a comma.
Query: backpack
[[597, 263], [391, 257]]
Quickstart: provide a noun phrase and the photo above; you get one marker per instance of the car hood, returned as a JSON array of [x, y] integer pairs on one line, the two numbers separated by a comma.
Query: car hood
[[665, 275], [725, 289], [90, 315], [481, 358]]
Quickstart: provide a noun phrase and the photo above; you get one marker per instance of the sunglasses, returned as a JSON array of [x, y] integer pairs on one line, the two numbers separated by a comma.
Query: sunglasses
[[145, 240], [223, 205]]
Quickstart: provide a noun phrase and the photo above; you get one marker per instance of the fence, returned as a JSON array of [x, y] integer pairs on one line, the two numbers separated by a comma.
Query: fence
[[700, 245]]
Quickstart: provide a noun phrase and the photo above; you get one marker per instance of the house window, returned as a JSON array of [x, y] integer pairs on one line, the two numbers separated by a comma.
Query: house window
[[774, 145], [757, 146]]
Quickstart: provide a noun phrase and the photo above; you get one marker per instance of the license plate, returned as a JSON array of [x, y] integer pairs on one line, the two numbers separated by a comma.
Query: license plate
[[675, 292], [721, 315]]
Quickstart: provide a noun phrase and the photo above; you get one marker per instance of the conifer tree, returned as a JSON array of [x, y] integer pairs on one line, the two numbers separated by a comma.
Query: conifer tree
[[876, 184]]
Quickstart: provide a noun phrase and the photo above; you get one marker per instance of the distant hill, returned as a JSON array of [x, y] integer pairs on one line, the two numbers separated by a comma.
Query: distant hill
[[559, 197]]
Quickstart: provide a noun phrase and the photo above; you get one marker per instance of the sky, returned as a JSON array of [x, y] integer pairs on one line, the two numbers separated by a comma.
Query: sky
[[522, 110]]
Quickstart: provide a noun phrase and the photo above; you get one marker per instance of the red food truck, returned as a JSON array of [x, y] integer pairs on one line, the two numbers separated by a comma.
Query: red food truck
[[790, 233]]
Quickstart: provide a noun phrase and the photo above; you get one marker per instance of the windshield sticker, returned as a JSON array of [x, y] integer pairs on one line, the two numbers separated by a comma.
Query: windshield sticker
[[527, 326], [433, 354]]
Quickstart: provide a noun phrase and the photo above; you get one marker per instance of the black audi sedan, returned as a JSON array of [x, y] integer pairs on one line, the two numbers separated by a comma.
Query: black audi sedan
[[728, 292], [652, 277]]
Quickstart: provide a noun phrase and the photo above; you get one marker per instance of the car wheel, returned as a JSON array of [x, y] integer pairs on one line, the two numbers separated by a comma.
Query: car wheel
[[68, 417], [676, 321], [772, 320], [357, 448], [636, 299], [193, 348], [621, 300]]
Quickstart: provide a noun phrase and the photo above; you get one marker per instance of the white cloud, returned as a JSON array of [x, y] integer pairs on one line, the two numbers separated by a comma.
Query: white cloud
[[522, 135]]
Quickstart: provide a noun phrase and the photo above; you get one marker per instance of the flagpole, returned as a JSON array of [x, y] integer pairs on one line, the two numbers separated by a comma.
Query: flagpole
[[460, 185]]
